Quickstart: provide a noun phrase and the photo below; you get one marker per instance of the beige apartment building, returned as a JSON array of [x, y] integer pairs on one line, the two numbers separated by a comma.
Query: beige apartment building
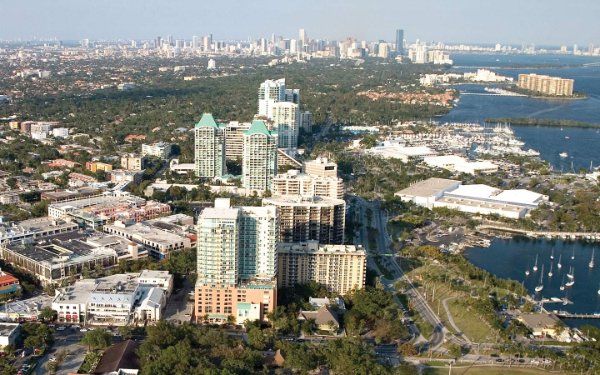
[[340, 268], [132, 162], [295, 183], [310, 218], [234, 139], [546, 85], [321, 167]]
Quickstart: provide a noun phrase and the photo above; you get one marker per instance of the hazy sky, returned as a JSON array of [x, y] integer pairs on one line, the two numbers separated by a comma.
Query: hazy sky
[[504, 21]]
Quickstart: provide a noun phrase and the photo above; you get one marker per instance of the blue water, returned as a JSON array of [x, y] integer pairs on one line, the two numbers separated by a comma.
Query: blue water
[[583, 145], [510, 258]]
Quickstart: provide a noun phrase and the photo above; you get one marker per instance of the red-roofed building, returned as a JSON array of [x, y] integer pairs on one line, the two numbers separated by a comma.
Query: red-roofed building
[[62, 163], [135, 137], [8, 283]]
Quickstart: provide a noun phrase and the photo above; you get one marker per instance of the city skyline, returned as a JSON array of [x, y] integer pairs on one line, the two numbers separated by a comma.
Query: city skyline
[[509, 22]]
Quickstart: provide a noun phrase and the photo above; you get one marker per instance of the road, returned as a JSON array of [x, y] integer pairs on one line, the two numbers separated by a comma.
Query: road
[[67, 340], [379, 221], [179, 309]]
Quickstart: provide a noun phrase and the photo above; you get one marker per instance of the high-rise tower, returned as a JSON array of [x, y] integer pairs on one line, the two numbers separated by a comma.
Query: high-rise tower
[[209, 148]]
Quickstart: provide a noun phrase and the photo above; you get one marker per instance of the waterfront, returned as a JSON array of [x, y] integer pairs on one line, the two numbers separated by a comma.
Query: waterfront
[[581, 144], [509, 258]]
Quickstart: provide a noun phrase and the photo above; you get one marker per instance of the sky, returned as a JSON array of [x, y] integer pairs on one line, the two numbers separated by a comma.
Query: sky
[[540, 22]]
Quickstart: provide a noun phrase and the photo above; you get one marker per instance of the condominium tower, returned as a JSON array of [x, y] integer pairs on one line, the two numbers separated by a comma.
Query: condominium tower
[[209, 150], [340, 268], [546, 85], [237, 263], [271, 92], [286, 119], [259, 164], [310, 218]]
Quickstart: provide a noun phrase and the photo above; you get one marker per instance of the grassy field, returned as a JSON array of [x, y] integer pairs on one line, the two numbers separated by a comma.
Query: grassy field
[[484, 371], [470, 325]]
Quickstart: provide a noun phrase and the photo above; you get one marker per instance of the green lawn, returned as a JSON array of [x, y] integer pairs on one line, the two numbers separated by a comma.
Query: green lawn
[[484, 371], [469, 324]]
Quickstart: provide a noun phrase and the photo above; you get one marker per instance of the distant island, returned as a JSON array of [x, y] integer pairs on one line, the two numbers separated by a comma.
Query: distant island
[[526, 121]]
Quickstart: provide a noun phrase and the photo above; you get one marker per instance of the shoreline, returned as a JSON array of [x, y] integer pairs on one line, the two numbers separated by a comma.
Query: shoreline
[[525, 121]]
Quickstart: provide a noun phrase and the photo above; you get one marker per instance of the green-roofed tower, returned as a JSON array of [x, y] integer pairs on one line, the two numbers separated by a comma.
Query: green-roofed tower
[[259, 164], [209, 150]]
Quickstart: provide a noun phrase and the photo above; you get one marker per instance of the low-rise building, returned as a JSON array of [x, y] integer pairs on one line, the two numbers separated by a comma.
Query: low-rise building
[[95, 166], [340, 268], [160, 150], [540, 324], [9, 332], [117, 299], [477, 199], [32, 229], [8, 283], [55, 258], [118, 176], [459, 164], [397, 150], [159, 238], [133, 162]]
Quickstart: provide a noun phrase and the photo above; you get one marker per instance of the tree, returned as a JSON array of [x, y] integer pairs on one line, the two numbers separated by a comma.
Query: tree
[[257, 339], [96, 339], [126, 332], [47, 314]]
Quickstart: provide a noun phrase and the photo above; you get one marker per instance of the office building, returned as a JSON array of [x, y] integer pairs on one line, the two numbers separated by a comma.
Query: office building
[[295, 183], [259, 164], [546, 85], [236, 262], [400, 42], [286, 120], [310, 218], [27, 230], [340, 268], [321, 167], [209, 148]]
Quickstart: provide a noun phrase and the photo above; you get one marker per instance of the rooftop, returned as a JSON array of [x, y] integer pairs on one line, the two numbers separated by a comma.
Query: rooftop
[[207, 121], [258, 127], [7, 328], [315, 247], [429, 187], [119, 356], [303, 200]]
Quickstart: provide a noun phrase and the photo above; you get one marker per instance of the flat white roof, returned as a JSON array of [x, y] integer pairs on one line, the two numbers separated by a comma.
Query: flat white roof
[[429, 187], [475, 191], [520, 196]]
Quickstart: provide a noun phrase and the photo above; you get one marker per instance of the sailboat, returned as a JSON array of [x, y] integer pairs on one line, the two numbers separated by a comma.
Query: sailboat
[[599, 291], [591, 264], [571, 277], [573, 255], [570, 273], [559, 265], [552, 254], [535, 268], [562, 285], [550, 272], [527, 270], [540, 286]]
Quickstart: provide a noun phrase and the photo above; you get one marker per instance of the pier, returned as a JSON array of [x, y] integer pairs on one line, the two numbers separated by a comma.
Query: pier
[[568, 315]]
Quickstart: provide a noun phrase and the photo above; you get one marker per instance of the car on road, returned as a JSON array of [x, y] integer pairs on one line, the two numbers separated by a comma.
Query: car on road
[[61, 328], [83, 329], [52, 359], [499, 360]]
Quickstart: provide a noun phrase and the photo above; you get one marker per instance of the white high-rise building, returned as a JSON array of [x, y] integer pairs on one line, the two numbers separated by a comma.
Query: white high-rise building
[[259, 164], [259, 231], [384, 50], [209, 148], [286, 120], [271, 92]]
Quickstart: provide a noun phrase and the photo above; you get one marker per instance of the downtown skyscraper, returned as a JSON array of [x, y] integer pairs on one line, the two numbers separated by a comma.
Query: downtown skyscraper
[[400, 42]]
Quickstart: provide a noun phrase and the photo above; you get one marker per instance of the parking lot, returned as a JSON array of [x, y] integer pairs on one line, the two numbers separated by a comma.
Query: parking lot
[[180, 305]]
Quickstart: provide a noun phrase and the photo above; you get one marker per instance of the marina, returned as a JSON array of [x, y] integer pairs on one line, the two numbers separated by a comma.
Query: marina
[[574, 286]]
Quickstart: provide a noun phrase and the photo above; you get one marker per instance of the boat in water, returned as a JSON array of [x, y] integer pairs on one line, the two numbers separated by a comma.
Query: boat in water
[[562, 284], [540, 286], [563, 155], [591, 263], [550, 272], [535, 267], [552, 254], [559, 265], [570, 274]]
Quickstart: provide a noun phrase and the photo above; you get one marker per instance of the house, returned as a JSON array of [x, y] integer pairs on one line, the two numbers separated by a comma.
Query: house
[[541, 324], [324, 319], [119, 359]]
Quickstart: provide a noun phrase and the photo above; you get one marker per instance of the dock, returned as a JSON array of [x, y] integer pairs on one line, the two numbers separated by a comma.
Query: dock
[[568, 315]]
